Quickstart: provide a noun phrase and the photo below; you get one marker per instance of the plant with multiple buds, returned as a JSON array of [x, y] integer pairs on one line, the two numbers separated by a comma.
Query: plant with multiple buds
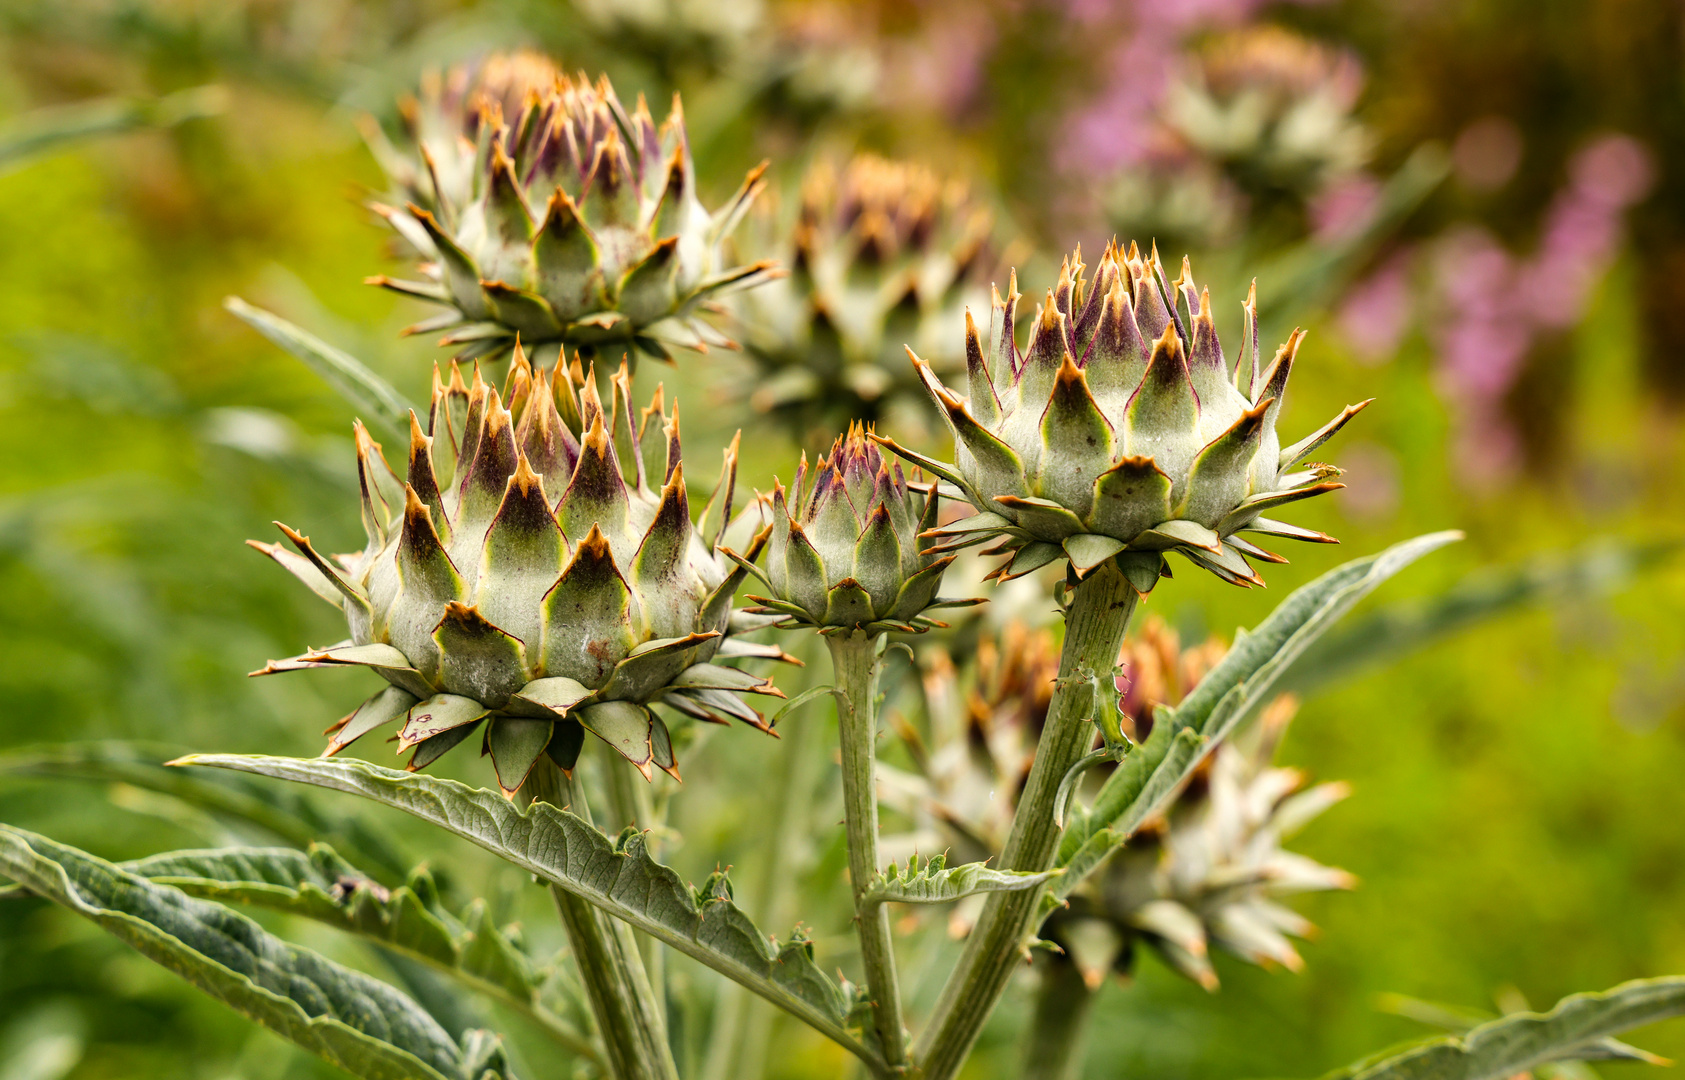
[[533, 572]]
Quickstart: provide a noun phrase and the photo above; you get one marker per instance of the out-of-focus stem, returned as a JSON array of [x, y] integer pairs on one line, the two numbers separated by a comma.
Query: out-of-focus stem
[[610, 969], [1057, 1037], [743, 1023]]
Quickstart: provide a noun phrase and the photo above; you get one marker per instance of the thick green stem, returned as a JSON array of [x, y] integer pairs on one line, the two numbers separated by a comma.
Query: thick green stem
[[855, 660], [630, 801], [1094, 627], [610, 969], [1053, 1047]]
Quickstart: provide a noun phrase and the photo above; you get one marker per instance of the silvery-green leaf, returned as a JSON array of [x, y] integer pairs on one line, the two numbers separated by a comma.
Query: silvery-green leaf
[[1596, 569], [1240, 682], [620, 878], [343, 1016], [237, 801], [373, 397], [1518, 1043], [934, 882], [320, 885]]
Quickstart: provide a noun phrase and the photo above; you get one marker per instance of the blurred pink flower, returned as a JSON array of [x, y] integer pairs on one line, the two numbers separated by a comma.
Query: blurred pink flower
[[1376, 311], [1497, 305]]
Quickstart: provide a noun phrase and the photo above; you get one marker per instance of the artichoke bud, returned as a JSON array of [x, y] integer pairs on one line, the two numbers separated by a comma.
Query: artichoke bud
[[540, 207], [844, 552], [1210, 872], [534, 565], [1121, 432], [1207, 873], [883, 255]]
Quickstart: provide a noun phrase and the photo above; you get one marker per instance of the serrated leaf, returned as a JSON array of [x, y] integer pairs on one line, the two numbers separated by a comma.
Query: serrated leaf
[[934, 882], [320, 885], [344, 1017], [1517, 1043], [1243, 680], [1596, 569], [372, 396], [617, 876], [284, 815]]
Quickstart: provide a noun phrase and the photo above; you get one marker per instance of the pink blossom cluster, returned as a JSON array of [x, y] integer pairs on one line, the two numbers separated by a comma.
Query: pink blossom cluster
[[1497, 306]]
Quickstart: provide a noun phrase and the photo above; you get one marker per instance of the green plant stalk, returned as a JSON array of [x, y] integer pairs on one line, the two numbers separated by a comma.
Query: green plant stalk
[[855, 660], [630, 803], [610, 968], [1054, 1044], [1095, 622], [742, 1030]]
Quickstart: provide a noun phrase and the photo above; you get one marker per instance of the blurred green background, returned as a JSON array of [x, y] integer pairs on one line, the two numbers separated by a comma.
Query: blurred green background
[[1518, 803]]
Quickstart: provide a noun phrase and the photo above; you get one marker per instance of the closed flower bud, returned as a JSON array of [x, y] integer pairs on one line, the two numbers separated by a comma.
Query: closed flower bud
[[883, 255], [1121, 432], [541, 208], [844, 552], [535, 566]]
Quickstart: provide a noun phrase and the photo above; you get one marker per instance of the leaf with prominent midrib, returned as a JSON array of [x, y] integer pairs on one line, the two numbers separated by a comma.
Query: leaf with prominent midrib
[[322, 886], [1153, 772], [617, 876], [345, 1017], [934, 882], [285, 815], [1515, 1044], [1595, 570]]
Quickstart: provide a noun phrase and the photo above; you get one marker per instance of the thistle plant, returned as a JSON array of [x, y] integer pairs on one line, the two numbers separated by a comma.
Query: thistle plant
[[540, 208], [1273, 108], [882, 254], [522, 574], [533, 572]]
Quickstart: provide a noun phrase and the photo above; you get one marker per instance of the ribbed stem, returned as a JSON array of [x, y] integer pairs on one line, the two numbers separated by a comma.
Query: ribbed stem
[[1094, 627], [854, 663], [629, 801], [1053, 1047], [610, 969]]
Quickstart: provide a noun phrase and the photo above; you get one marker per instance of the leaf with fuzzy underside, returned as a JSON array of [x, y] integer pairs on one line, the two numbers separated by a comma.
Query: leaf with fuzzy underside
[[1516, 1044], [287, 815], [617, 876], [1244, 679], [321, 886], [345, 1017], [934, 882]]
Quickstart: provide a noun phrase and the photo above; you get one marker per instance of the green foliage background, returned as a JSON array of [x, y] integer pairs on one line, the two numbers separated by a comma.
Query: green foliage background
[[1518, 806]]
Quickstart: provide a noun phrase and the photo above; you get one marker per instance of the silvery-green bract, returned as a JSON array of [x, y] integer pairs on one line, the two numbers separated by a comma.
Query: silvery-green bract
[[1211, 873], [542, 208], [535, 567], [1121, 432], [844, 553], [882, 255]]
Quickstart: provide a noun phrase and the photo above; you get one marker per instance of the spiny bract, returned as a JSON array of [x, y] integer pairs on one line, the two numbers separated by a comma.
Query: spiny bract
[[883, 256], [1120, 432], [844, 552], [1272, 108], [1210, 872], [541, 208], [537, 565]]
